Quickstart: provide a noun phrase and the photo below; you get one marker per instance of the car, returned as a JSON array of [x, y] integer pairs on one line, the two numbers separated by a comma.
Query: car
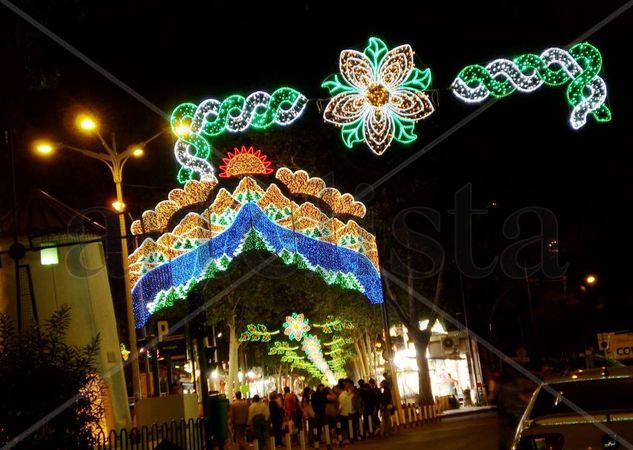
[[585, 409]]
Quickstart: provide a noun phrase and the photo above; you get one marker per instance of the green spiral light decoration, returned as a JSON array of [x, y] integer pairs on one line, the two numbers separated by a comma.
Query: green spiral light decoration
[[579, 68], [195, 124]]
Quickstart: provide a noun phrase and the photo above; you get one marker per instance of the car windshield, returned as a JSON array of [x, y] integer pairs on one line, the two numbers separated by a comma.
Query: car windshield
[[614, 394]]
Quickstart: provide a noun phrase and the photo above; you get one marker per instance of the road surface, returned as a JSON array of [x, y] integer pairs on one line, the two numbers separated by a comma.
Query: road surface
[[473, 432]]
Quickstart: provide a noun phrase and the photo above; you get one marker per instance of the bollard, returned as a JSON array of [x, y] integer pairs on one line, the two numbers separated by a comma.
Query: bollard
[[328, 437], [370, 425], [409, 410], [339, 433], [361, 427], [302, 440], [288, 443], [256, 444], [350, 427], [271, 441], [315, 435]]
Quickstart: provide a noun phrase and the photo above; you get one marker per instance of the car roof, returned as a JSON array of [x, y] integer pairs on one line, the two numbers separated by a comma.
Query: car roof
[[599, 373]]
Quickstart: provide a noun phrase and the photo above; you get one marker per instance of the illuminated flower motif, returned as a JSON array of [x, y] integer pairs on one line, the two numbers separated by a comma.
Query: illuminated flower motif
[[245, 162], [296, 326], [379, 97], [311, 345]]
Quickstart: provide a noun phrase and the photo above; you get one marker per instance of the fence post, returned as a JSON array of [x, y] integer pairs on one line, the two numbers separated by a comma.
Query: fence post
[[315, 435], [302, 440], [328, 438]]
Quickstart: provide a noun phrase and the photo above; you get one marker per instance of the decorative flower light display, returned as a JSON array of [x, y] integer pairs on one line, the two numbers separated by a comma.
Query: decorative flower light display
[[378, 96], [314, 362], [579, 67], [247, 161], [296, 326]]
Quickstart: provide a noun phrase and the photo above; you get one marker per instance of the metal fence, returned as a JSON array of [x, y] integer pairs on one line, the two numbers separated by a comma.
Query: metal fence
[[185, 435]]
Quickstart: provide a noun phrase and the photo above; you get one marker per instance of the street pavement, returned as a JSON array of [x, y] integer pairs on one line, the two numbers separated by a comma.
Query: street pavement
[[471, 432]]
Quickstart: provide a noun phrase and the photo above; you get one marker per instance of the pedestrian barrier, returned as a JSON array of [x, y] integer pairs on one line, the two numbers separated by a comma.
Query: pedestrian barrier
[[187, 435], [310, 435]]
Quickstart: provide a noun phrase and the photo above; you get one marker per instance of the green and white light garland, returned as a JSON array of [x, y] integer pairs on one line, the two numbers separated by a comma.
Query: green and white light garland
[[194, 125], [579, 67]]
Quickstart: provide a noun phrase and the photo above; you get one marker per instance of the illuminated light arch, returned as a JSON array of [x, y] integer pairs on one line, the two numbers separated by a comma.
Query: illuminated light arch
[[300, 182], [157, 219], [247, 161], [251, 218], [578, 68]]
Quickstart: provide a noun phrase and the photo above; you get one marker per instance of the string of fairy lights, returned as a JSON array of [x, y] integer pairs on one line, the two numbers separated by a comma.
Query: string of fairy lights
[[326, 365]]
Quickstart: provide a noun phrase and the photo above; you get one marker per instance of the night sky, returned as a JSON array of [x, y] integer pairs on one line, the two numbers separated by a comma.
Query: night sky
[[521, 152]]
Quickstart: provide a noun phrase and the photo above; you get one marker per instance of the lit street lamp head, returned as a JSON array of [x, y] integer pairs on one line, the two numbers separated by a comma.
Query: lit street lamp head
[[591, 280], [138, 152], [44, 148], [118, 206], [86, 123]]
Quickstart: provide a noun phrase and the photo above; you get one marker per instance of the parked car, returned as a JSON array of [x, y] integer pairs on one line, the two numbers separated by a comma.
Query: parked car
[[586, 409]]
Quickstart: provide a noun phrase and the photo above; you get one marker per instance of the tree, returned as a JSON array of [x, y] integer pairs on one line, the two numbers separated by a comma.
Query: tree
[[40, 372]]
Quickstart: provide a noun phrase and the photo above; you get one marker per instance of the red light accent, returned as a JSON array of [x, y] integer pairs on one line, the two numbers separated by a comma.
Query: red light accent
[[246, 161]]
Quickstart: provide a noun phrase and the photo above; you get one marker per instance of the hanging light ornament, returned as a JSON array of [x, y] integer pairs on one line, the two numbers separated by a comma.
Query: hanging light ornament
[[579, 68], [378, 96]]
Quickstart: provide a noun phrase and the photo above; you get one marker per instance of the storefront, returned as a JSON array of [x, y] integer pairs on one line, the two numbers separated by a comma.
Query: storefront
[[453, 364]]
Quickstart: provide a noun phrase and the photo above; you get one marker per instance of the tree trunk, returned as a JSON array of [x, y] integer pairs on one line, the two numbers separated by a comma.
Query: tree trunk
[[425, 393], [357, 373], [232, 384], [368, 353], [361, 358]]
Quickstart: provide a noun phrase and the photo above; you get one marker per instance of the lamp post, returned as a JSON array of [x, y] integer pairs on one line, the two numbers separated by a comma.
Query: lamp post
[[115, 161]]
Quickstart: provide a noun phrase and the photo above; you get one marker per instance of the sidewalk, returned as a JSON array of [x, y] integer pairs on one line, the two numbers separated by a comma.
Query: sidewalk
[[467, 410]]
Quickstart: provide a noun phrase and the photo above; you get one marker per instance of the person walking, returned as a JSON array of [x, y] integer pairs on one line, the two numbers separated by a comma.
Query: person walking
[[239, 420], [307, 411], [345, 409], [277, 416], [292, 409], [258, 415], [386, 406], [373, 406]]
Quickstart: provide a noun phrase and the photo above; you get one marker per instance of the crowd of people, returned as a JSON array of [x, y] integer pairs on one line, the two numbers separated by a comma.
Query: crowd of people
[[336, 410]]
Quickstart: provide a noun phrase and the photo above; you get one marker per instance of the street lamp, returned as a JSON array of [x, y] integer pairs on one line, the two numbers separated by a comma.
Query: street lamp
[[591, 280], [115, 160]]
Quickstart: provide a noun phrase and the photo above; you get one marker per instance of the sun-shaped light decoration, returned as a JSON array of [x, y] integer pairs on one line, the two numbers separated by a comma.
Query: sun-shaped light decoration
[[247, 161], [378, 96], [296, 326]]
